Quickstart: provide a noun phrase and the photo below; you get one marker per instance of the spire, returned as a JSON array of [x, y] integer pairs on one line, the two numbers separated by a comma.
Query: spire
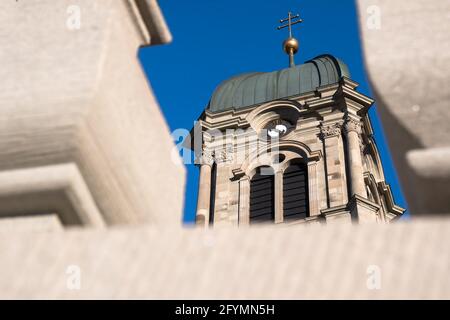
[[290, 45]]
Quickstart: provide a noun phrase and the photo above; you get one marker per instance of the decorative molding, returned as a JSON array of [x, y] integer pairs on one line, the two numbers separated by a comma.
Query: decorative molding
[[225, 155], [295, 146], [286, 110]]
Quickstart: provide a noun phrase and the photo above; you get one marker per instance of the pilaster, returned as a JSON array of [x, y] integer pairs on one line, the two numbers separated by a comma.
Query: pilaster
[[331, 134], [352, 129], [313, 188], [204, 189], [279, 197], [244, 201]]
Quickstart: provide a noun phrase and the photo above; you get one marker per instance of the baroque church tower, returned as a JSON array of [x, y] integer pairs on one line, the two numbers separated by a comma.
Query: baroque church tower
[[291, 146]]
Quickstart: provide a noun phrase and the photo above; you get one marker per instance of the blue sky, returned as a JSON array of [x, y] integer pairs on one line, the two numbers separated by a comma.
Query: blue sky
[[217, 39]]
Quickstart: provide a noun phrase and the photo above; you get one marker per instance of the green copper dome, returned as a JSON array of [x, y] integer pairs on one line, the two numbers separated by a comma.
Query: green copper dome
[[255, 88]]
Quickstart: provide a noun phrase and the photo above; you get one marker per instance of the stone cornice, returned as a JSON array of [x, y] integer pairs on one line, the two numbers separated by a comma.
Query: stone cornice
[[349, 92], [225, 120], [385, 189], [357, 200], [354, 102], [335, 211], [345, 81], [320, 103]]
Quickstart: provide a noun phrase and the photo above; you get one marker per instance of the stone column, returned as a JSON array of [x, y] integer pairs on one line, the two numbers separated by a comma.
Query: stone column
[[353, 130], [204, 190], [278, 196], [244, 201], [313, 189]]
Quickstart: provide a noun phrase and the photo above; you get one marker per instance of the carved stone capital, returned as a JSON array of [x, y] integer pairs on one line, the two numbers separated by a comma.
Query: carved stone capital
[[225, 155], [330, 130], [353, 125], [207, 156]]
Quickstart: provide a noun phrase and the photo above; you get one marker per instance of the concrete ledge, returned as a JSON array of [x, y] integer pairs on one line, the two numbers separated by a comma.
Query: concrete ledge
[[430, 163], [313, 262], [57, 189], [66, 101]]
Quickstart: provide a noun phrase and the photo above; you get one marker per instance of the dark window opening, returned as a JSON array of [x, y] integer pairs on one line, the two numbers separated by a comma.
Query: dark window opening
[[212, 203], [295, 192], [262, 196]]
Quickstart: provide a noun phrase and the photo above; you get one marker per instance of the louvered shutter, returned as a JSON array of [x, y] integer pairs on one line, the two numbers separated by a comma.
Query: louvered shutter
[[295, 192], [262, 198]]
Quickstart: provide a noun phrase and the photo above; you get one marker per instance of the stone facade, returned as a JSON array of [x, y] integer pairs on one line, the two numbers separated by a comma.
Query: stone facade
[[331, 133]]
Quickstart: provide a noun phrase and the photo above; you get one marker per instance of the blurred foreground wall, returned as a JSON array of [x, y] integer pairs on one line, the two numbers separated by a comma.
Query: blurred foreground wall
[[82, 139], [407, 54], [400, 260]]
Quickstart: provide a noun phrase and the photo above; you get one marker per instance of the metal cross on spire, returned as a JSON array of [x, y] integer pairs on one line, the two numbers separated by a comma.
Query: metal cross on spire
[[290, 45]]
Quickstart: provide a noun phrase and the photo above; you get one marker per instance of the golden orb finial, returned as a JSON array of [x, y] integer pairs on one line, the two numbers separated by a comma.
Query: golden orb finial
[[290, 45]]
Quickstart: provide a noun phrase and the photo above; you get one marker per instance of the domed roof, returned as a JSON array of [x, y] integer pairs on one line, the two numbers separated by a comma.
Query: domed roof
[[255, 88]]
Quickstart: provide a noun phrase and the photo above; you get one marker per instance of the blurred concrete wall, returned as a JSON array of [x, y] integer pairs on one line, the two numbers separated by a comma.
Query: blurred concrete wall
[[407, 54], [396, 261], [81, 133]]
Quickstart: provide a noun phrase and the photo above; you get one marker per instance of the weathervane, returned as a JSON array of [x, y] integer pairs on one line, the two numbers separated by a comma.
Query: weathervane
[[290, 45]]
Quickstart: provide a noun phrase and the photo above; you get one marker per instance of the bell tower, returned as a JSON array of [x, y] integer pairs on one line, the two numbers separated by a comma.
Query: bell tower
[[289, 147]]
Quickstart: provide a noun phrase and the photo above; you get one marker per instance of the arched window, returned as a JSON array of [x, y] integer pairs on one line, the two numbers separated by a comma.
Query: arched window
[[295, 192], [262, 196]]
